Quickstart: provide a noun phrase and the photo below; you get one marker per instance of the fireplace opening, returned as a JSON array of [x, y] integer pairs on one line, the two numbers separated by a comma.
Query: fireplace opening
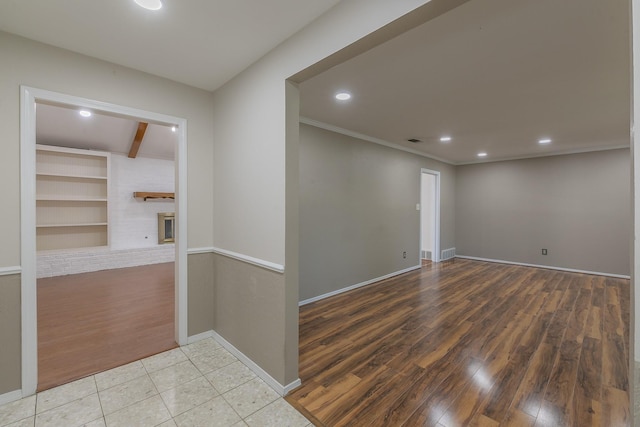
[[166, 227]]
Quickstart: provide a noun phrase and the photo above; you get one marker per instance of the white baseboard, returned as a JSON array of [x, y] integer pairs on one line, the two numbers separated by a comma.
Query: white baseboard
[[199, 337], [549, 267], [12, 396], [356, 286], [272, 382]]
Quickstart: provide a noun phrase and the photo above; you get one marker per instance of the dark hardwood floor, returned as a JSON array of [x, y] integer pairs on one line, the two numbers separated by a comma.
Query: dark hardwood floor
[[468, 343], [91, 322]]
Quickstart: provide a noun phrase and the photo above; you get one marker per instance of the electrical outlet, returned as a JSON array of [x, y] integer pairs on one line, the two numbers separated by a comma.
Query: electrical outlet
[[404, 254], [544, 252]]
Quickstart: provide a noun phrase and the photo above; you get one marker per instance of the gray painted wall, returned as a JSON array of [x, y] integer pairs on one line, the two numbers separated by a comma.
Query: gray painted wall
[[576, 206], [200, 295], [11, 352], [358, 210], [250, 313]]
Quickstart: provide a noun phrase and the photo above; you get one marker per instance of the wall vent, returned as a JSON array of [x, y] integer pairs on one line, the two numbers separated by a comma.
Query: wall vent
[[426, 255], [448, 254]]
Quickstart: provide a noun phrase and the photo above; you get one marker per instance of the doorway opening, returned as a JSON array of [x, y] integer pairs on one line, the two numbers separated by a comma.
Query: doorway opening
[[429, 216], [95, 216]]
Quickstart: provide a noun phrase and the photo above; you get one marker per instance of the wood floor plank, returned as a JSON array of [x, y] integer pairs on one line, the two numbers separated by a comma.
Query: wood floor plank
[[516, 418], [615, 407], [91, 322], [468, 343]]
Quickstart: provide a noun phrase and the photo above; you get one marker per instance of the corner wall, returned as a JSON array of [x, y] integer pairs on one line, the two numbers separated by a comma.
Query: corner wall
[[358, 210], [576, 206], [251, 174]]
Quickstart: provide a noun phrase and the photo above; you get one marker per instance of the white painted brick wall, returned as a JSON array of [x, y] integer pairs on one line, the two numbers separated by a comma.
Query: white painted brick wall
[[133, 223], [74, 262]]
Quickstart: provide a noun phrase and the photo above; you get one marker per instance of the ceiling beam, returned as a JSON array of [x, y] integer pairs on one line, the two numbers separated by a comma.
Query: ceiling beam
[[137, 140]]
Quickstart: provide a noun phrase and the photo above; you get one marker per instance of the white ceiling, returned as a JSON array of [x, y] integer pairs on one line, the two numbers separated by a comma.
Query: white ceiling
[[202, 43], [63, 126], [495, 75]]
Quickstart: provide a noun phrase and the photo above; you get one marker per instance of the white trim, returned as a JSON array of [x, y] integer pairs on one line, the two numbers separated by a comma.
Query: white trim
[[8, 271], [435, 257], [364, 137], [200, 337], [181, 263], [194, 251], [28, 98], [291, 386], [357, 285], [12, 396], [548, 267], [264, 375], [555, 153], [347, 132], [278, 268], [28, 305]]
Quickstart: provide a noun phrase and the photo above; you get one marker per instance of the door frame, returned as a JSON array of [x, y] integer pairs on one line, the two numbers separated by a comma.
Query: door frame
[[436, 250], [29, 96]]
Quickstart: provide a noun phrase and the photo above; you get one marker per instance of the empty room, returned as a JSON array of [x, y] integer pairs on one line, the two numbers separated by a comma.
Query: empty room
[[520, 314], [104, 241], [395, 213]]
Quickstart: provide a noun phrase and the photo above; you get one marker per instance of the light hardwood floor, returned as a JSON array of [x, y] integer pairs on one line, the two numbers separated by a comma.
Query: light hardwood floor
[[91, 322], [468, 343]]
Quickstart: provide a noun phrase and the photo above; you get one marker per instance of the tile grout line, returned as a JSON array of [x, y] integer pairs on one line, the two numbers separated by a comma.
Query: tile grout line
[[99, 400]]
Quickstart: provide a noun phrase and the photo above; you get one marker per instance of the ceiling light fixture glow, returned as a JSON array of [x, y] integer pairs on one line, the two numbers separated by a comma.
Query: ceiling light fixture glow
[[343, 96], [445, 139], [173, 128], [482, 154], [85, 113], [544, 141], [149, 4]]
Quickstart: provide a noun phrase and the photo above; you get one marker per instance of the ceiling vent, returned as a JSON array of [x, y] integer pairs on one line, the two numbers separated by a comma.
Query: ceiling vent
[[414, 140]]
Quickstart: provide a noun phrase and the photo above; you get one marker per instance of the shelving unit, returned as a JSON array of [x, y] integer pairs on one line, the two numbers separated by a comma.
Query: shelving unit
[[72, 192]]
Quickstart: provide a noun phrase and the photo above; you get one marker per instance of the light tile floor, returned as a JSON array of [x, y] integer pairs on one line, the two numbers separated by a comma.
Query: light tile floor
[[201, 384]]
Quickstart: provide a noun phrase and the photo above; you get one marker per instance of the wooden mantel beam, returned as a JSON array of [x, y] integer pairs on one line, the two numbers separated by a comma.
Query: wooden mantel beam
[[137, 140]]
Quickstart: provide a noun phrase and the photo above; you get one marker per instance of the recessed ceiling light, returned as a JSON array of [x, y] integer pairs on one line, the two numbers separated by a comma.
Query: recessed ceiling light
[[149, 4], [445, 139], [173, 128], [343, 96], [85, 113], [544, 141], [482, 154]]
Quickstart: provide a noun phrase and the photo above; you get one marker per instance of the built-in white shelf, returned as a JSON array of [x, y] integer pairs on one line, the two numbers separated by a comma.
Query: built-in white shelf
[[71, 225], [67, 199], [72, 192], [60, 175]]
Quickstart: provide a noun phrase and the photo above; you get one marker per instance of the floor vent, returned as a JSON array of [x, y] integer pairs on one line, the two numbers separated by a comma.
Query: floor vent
[[426, 255], [448, 254]]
